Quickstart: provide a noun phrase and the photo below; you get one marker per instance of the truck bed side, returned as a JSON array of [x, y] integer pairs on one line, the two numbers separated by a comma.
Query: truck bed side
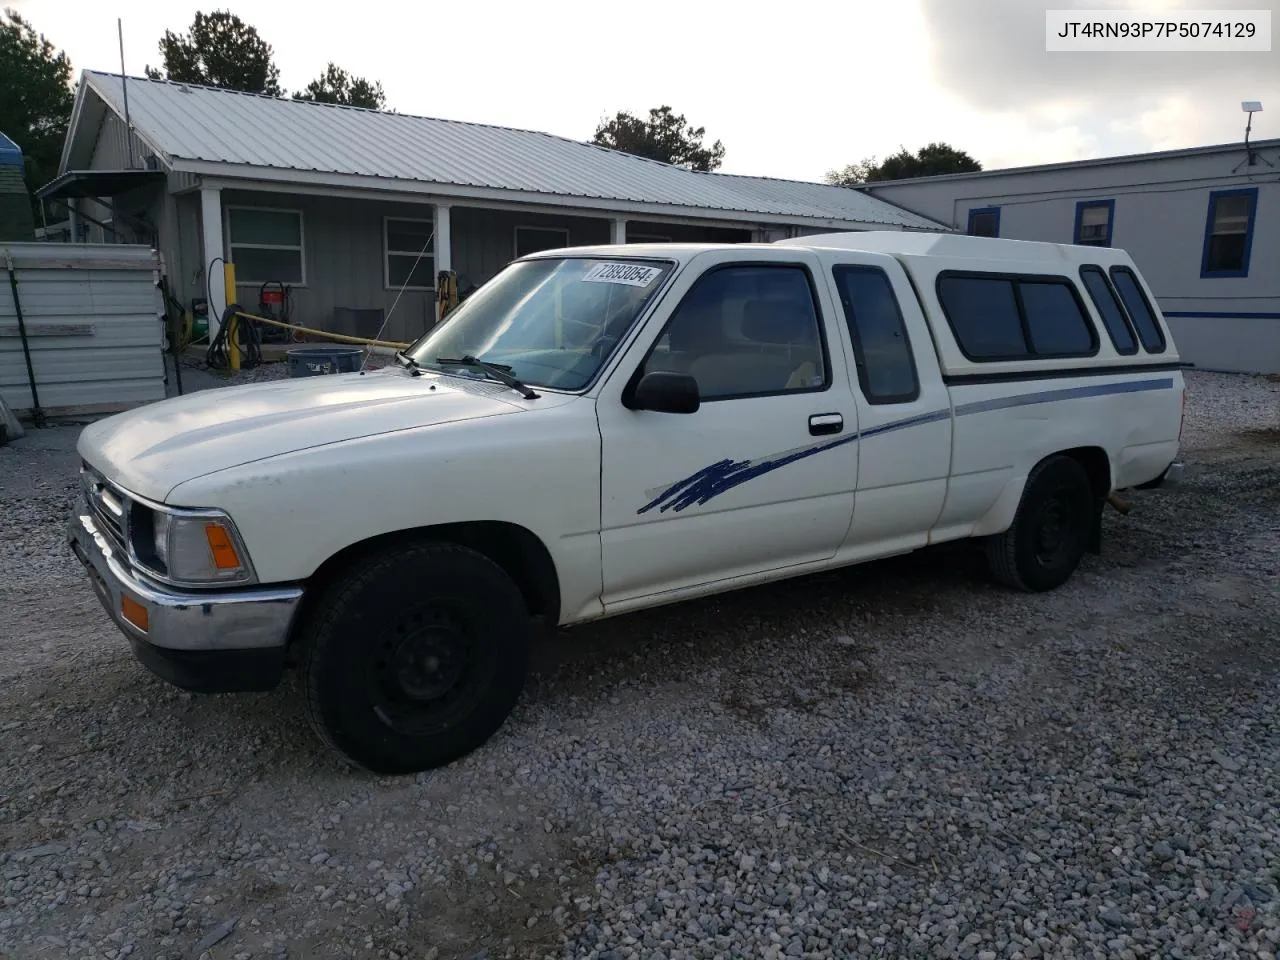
[[1038, 362]]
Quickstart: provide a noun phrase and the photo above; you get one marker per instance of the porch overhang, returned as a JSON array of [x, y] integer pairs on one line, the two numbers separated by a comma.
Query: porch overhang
[[273, 179], [91, 184]]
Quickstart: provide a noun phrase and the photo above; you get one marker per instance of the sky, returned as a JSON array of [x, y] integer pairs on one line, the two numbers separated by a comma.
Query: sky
[[792, 91]]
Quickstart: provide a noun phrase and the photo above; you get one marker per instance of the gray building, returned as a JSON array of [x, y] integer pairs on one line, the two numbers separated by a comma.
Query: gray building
[[345, 205], [1202, 224]]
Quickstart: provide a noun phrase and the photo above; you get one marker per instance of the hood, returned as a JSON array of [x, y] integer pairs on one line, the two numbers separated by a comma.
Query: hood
[[152, 449]]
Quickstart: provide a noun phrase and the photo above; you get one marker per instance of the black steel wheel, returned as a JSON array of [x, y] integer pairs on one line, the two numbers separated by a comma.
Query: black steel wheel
[[416, 658], [1050, 532]]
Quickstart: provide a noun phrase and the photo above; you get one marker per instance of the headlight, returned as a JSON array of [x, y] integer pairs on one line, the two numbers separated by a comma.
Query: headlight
[[199, 549], [160, 538], [189, 547]]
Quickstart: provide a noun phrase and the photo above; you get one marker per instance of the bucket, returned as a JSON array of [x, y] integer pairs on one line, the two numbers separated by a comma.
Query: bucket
[[315, 361]]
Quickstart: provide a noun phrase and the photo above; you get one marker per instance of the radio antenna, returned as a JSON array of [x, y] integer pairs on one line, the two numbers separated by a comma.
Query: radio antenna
[[124, 86]]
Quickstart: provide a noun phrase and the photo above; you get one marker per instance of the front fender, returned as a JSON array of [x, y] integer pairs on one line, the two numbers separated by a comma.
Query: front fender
[[296, 510]]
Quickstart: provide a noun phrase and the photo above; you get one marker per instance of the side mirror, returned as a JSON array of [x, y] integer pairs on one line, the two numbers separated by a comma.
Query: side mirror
[[666, 392]]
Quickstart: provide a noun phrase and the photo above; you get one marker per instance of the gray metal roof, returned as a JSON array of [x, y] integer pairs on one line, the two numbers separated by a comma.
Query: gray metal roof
[[203, 124], [1117, 160]]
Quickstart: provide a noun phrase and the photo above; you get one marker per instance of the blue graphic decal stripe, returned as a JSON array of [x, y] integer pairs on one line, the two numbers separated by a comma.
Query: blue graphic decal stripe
[[1065, 393], [713, 480]]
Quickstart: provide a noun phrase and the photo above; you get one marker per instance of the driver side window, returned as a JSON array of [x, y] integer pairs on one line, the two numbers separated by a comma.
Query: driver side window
[[746, 331]]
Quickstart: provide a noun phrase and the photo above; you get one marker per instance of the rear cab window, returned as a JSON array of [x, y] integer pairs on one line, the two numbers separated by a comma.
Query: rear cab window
[[1015, 317], [882, 350]]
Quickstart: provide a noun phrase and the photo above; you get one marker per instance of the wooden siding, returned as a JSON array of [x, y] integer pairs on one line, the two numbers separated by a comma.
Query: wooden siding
[[111, 148], [639, 231], [484, 241], [343, 251]]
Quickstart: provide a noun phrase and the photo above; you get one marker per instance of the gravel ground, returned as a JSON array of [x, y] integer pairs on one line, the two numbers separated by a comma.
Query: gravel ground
[[899, 760]]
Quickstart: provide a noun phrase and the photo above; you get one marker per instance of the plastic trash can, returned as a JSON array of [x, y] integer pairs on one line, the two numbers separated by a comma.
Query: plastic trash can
[[316, 361]]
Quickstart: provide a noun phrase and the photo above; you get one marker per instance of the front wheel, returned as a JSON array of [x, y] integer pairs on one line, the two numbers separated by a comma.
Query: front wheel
[[1050, 532], [416, 657]]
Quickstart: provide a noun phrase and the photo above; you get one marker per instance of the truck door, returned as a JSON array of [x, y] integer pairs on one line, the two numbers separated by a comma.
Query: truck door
[[761, 475], [904, 406]]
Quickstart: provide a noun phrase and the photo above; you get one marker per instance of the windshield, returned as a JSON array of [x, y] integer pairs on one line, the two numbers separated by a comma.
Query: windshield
[[552, 321]]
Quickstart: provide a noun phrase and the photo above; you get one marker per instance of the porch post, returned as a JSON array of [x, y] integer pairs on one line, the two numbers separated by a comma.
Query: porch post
[[444, 238], [619, 230], [211, 225]]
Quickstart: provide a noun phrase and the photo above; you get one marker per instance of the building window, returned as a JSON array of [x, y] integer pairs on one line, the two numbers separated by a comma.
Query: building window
[[266, 244], [410, 253], [532, 239], [1093, 222], [1228, 233], [997, 317], [881, 347], [984, 222], [646, 238]]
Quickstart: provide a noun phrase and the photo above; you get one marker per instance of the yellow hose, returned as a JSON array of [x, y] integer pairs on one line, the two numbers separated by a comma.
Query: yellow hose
[[342, 337]]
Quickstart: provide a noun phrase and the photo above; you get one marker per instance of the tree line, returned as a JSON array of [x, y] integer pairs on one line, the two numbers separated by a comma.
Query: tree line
[[221, 50], [218, 50]]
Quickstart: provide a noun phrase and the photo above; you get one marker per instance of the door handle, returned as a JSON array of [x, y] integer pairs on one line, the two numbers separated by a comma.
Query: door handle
[[823, 423]]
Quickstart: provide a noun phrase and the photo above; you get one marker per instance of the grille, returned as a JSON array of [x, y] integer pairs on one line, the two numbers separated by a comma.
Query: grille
[[109, 509]]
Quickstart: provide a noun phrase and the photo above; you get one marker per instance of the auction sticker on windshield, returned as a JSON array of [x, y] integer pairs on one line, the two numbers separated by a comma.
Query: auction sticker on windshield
[[632, 274]]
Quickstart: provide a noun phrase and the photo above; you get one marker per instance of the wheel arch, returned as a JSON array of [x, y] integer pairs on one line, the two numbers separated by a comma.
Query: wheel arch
[[1097, 466], [514, 548]]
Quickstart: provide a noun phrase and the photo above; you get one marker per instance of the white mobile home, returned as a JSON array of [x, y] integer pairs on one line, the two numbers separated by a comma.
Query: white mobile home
[[1202, 224]]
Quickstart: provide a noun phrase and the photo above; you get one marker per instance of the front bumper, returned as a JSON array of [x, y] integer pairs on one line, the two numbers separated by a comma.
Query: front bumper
[[210, 642]]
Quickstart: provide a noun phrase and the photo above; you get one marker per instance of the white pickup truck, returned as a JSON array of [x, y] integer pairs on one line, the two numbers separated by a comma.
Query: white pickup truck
[[605, 429]]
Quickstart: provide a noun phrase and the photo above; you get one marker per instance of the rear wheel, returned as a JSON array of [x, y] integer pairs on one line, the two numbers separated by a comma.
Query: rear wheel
[[416, 657], [1050, 532]]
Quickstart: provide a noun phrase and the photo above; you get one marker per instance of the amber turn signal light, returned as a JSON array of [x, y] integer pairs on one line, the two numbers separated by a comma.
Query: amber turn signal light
[[135, 613], [220, 545]]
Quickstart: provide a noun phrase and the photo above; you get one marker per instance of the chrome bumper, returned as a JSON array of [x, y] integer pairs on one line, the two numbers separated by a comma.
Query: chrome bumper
[[229, 621]]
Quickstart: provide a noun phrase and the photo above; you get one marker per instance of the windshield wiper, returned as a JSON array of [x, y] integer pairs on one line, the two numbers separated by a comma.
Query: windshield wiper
[[498, 371], [409, 363]]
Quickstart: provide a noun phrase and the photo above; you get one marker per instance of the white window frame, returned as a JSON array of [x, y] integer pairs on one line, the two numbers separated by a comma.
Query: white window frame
[[387, 251], [515, 237], [301, 247]]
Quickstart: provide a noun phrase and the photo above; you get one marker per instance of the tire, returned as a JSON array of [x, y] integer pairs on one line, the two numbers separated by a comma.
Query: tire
[[1050, 532], [416, 657]]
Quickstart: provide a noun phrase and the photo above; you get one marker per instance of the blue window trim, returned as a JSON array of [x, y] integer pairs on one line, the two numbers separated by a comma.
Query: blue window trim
[[1081, 206], [973, 211], [1214, 195]]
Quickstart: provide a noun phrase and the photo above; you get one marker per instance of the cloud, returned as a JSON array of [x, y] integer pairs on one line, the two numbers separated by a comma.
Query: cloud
[[993, 52], [990, 55]]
